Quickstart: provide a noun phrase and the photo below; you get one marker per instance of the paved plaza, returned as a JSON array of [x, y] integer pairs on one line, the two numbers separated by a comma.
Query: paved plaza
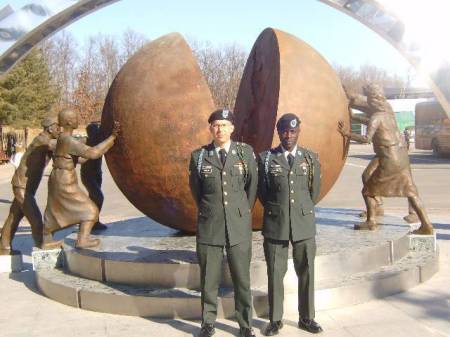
[[422, 311]]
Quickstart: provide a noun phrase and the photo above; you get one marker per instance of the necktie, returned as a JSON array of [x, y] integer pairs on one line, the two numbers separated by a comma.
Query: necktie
[[223, 156], [290, 158]]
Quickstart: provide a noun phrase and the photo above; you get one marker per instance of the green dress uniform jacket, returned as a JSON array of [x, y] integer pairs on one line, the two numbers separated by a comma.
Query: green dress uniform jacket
[[224, 195], [288, 195]]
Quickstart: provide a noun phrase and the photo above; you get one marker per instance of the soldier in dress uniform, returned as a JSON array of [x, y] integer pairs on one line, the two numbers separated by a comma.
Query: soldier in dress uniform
[[223, 180], [289, 185]]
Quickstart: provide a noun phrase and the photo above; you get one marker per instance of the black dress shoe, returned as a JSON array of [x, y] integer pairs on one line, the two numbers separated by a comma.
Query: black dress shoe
[[247, 332], [207, 330], [273, 328], [309, 325]]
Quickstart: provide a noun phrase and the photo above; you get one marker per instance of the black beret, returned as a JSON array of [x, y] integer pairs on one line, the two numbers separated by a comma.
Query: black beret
[[221, 114], [288, 121]]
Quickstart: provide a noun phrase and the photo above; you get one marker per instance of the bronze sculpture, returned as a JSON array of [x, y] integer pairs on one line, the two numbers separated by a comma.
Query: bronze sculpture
[[392, 174], [67, 204], [359, 102], [161, 100], [91, 171], [25, 183]]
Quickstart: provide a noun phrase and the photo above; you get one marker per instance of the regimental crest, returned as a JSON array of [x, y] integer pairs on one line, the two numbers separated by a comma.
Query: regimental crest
[[293, 123], [225, 113]]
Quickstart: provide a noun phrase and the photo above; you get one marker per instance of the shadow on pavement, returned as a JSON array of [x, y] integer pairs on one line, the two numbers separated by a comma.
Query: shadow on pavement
[[194, 327], [26, 277], [440, 236]]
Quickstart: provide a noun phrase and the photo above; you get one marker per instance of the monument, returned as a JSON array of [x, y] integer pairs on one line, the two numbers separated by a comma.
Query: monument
[[162, 102], [67, 204], [391, 176]]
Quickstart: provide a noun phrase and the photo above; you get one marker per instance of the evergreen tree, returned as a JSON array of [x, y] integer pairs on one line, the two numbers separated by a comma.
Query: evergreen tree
[[27, 94]]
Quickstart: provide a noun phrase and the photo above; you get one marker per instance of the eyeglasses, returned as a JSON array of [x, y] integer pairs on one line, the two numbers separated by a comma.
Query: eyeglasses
[[217, 126]]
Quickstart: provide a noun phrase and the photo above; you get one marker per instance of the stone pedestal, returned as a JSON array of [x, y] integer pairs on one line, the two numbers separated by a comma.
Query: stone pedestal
[[422, 243], [11, 263], [47, 259]]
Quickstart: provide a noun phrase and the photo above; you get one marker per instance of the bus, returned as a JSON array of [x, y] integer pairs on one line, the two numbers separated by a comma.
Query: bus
[[432, 128]]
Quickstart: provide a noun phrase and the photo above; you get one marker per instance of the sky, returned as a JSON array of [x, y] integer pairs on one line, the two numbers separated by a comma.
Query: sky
[[338, 37]]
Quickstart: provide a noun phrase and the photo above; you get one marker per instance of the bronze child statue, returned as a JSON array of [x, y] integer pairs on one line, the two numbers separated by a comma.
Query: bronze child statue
[[67, 203]]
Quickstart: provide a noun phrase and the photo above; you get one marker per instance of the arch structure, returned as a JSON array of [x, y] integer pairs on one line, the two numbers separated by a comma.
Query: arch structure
[[22, 29]]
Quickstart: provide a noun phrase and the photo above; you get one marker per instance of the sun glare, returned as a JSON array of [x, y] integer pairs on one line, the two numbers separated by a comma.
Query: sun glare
[[426, 22]]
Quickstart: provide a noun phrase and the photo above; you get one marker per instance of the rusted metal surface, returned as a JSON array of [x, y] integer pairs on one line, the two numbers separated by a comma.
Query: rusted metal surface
[[284, 74], [162, 103]]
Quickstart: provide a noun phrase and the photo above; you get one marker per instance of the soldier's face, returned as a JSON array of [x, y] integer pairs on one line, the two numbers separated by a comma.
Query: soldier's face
[[221, 131], [289, 137]]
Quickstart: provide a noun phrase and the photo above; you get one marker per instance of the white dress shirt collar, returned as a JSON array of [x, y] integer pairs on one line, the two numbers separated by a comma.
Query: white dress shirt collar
[[225, 146], [286, 152]]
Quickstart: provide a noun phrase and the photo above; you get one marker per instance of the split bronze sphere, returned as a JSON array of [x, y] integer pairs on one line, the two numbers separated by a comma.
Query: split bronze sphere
[[162, 103]]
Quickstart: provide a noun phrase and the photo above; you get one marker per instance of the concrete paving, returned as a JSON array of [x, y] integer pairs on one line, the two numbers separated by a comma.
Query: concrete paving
[[423, 311]]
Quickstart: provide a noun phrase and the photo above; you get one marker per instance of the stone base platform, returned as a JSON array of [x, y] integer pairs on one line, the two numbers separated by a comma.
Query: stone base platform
[[145, 269]]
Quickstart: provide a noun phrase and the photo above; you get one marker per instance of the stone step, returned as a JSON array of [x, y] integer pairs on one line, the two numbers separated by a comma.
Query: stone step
[[412, 269], [140, 252]]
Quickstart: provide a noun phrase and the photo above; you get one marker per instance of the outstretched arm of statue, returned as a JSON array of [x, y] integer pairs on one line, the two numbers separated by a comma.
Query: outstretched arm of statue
[[356, 101], [95, 152], [82, 160], [352, 136], [359, 118]]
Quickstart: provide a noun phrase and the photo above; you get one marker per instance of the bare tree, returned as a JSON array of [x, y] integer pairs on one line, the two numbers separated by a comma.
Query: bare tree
[[354, 79], [61, 56], [85, 100], [131, 42], [222, 68]]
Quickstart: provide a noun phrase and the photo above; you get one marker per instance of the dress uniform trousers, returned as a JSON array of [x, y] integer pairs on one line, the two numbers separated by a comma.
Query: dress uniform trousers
[[210, 258], [276, 254]]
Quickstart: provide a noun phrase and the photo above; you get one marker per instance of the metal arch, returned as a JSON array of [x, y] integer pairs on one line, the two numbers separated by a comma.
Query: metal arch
[[390, 27], [27, 41], [369, 12]]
